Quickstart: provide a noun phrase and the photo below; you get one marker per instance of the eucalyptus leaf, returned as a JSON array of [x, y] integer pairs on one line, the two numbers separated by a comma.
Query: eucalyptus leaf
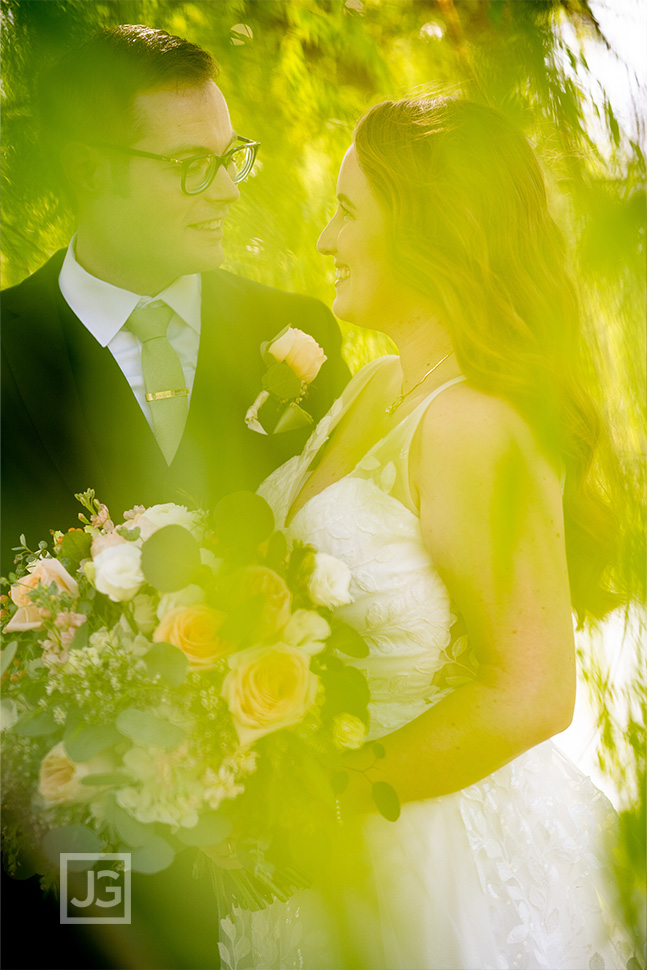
[[211, 829], [132, 832], [7, 655], [155, 856], [35, 724], [71, 838], [167, 661], [242, 521], [84, 741], [104, 778], [146, 728], [170, 558]]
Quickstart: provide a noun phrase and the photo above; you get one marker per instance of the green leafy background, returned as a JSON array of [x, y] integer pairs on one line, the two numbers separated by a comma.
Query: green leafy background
[[297, 74]]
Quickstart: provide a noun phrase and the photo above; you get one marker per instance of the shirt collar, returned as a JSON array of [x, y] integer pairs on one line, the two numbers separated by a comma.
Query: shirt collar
[[104, 308]]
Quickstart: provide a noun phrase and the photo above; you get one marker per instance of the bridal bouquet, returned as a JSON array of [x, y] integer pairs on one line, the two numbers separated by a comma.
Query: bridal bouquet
[[179, 679]]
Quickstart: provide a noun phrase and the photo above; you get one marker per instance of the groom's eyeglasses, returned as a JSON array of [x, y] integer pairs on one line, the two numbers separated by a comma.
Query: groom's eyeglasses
[[199, 171]]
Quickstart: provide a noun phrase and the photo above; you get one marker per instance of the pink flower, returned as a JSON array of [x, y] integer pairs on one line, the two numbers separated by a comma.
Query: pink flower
[[101, 542]]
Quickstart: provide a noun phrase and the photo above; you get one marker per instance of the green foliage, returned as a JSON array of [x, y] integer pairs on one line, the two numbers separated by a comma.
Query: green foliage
[[297, 75]]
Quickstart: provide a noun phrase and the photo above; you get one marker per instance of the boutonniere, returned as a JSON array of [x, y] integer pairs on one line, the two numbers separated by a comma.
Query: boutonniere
[[293, 359]]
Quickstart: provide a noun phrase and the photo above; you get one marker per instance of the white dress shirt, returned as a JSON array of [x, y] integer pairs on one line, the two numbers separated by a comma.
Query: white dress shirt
[[104, 309]]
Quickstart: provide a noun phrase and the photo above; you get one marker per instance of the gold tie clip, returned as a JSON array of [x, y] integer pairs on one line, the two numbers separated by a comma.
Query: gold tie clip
[[161, 395]]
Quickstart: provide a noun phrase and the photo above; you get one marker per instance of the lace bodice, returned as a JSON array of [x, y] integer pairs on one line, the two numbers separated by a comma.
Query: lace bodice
[[400, 604]]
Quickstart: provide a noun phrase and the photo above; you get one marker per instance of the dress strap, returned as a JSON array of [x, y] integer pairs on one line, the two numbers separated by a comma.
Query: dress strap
[[394, 448]]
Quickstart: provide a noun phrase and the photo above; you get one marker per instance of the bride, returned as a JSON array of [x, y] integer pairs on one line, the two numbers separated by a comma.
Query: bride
[[456, 481]]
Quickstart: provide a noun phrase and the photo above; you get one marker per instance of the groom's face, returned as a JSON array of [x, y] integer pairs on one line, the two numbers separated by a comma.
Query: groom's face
[[159, 231]]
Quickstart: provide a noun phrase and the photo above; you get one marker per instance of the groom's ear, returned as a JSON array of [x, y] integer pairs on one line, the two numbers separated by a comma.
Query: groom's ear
[[86, 168]]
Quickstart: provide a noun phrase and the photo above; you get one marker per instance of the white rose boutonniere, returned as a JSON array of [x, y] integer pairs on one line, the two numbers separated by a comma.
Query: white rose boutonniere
[[329, 583], [293, 360]]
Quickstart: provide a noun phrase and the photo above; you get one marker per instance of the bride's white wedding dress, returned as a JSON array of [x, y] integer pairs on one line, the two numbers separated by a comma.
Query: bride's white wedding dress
[[507, 873]]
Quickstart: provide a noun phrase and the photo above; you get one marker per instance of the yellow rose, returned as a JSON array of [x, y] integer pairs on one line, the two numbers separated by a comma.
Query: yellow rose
[[276, 612], [45, 571], [348, 730], [194, 629], [268, 688], [300, 351]]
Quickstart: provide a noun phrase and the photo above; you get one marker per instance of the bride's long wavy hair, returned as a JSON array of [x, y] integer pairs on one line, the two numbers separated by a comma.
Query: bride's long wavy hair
[[466, 202]]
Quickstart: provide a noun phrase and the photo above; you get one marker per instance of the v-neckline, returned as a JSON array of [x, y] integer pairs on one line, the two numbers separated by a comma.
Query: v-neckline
[[305, 473]]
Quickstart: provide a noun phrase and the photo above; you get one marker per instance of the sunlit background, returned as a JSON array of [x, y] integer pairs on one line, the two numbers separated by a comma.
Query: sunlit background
[[297, 74]]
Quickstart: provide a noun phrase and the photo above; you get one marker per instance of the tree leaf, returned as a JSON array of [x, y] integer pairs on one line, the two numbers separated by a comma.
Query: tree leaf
[[242, 521], [378, 750], [386, 800], [339, 782], [170, 558], [211, 829], [146, 728], [167, 661]]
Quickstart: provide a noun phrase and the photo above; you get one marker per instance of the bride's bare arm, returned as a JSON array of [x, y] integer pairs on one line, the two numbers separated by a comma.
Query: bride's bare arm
[[492, 521]]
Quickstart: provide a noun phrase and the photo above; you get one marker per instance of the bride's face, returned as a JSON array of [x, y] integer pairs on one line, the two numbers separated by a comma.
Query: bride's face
[[356, 237]]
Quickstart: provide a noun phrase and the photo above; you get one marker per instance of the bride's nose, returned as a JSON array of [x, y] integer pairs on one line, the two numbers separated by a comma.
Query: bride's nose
[[326, 241]]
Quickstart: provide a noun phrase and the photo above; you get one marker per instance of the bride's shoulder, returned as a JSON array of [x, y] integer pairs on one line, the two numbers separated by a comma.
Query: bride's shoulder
[[469, 434]]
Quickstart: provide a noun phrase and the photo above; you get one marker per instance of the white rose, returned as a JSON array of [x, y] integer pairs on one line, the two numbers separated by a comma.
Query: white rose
[[8, 713], [182, 597], [307, 631], [144, 612], [348, 731], [118, 571], [300, 351], [60, 777], [330, 581], [159, 516]]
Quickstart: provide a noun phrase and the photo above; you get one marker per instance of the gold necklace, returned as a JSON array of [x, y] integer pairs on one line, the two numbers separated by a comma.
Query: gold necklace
[[401, 396]]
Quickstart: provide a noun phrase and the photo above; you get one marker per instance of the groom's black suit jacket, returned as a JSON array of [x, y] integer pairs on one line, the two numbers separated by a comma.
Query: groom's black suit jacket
[[70, 420]]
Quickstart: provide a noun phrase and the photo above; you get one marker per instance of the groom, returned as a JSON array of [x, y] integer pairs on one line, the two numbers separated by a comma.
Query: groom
[[142, 140], [141, 137]]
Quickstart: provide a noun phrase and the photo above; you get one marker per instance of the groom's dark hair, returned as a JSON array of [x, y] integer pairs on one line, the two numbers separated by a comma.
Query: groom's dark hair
[[88, 95]]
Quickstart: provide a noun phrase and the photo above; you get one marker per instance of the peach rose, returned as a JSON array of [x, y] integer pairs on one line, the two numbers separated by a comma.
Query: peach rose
[[254, 580], [45, 571], [268, 688], [194, 630], [300, 351]]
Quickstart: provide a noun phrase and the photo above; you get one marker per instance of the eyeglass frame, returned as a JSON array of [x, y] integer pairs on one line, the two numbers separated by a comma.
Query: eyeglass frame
[[185, 162]]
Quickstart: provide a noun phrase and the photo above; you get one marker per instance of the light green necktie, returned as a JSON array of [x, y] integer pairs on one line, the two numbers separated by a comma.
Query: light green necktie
[[163, 376]]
